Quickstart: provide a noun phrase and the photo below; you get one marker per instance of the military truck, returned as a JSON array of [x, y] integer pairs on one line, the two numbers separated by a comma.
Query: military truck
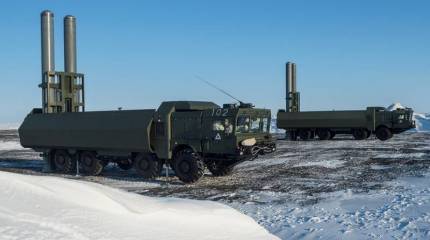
[[326, 124], [187, 135]]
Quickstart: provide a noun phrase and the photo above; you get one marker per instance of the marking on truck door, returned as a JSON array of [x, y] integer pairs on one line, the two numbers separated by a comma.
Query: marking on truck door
[[218, 136], [220, 112]]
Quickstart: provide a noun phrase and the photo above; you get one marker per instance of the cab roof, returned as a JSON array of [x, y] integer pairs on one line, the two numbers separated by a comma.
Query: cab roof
[[191, 105]]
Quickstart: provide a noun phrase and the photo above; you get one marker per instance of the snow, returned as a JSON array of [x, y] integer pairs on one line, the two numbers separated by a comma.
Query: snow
[[400, 212], [422, 122], [395, 106], [327, 164], [7, 126], [41, 207], [9, 145]]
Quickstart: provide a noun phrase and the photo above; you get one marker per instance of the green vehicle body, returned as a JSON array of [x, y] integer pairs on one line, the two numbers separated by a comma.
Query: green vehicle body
[[204, 128], [360, 123], [326, 124], [188, 136]]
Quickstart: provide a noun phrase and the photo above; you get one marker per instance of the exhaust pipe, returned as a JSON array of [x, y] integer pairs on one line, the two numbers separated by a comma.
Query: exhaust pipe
[[70, 44]]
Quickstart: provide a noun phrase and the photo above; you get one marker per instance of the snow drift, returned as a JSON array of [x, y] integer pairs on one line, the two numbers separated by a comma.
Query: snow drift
[[395, 106], [422, 121], [40, 207]]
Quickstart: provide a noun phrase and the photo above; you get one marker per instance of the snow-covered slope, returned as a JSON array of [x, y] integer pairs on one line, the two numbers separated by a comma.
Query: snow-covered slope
[[395, 106], [35, 207], [422, 121], [6, 126]]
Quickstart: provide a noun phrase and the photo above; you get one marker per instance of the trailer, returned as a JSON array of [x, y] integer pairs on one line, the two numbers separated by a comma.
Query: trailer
[[361, 124]]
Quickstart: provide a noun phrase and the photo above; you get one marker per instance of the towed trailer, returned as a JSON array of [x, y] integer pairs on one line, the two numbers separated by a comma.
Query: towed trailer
[[361, 124]]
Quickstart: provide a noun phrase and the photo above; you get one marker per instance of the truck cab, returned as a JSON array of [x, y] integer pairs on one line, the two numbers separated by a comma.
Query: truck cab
[[397, 120], [216, 137], [236, 132]]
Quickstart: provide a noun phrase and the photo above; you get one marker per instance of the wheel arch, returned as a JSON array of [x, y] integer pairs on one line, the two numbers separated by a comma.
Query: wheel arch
[[181, 147]]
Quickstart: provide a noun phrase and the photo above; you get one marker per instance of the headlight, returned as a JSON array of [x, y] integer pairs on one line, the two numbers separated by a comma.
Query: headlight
[[248, 142]]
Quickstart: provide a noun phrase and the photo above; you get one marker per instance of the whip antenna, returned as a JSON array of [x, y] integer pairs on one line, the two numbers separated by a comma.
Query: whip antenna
[[218, 88]]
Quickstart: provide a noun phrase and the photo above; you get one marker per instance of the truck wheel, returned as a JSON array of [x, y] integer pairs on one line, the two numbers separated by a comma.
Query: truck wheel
[[305, 135], [189, 166], [125, 164], [219, 168], [359, 134], [147, 166], [368, 133], [383, 133], [323, 134], [63, 162], [91, 165], [292, 135], [332, 134]]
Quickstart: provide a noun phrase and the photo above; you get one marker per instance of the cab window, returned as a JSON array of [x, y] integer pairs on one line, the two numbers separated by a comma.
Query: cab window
[[255, 124], [218, 126], [265, 124], [223, 125], [243, 124], [246, 124]]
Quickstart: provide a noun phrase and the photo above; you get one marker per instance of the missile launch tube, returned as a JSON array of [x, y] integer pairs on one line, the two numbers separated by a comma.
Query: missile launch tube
[[70, 44], [289, 85], [293, 77], [48, 55]]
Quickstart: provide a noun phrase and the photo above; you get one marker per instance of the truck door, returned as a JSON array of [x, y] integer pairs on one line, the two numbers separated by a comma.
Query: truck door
[[218, 134]]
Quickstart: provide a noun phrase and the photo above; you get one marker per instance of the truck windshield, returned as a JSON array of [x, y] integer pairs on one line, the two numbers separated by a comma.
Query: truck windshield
[[247, 124]]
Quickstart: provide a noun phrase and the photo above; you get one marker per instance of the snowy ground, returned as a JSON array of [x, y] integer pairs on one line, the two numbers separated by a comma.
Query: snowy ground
[[330, 189], [41, 207]]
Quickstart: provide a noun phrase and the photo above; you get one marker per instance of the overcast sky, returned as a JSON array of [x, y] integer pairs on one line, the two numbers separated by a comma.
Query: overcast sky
[[135, 54]]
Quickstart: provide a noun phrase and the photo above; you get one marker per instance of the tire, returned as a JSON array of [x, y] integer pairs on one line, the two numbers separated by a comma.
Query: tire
[[305, 135], [323, 134], [383, 133], [189, 166], [147, 165], [219, 168], [332, 135], [368, 133], [359, 134], [125, 164], [292, 135], [91, 165], [63, 162]]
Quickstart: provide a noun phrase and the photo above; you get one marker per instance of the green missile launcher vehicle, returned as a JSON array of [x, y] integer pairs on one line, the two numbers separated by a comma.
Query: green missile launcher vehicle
[[326, 124], [186, 135]]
